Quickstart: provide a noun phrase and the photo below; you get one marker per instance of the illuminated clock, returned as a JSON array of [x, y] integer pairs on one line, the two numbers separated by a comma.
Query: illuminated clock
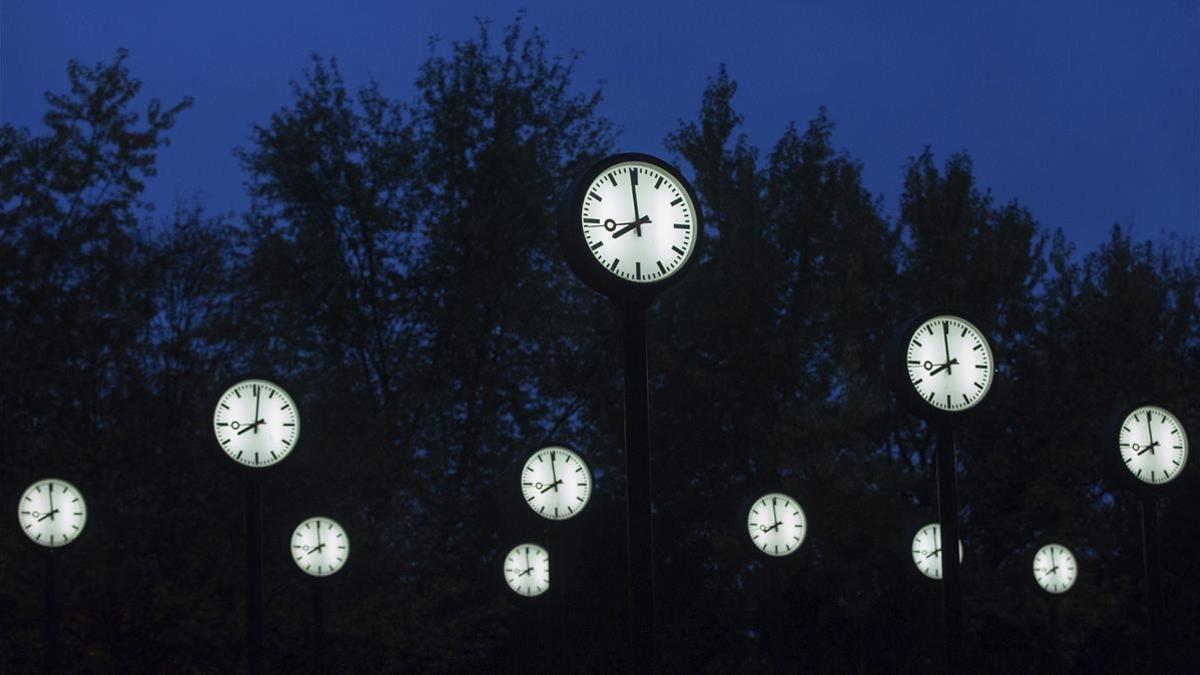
[[944, 366], [256, 423], [631, 225], [927, 550], [1054, 568], [320, 546], [556, 483], [776, 524], [52, 512], [1153, 444], [527, 570]]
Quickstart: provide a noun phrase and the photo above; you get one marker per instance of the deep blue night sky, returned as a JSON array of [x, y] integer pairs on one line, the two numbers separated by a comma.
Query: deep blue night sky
[[1086, 114]]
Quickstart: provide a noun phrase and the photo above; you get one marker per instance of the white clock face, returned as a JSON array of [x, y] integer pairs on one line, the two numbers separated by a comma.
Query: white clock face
[[556, 483], [949, 363], [1154, 446], [320, 546], [1054, 568], [927, 550], [256, 423], [52, 512], [638, 221], [777, 524], [527, 570]]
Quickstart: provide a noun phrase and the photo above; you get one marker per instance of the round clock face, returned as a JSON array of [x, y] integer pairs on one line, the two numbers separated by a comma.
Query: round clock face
[[527, 570], [256, 423], [52, 512], [638, 221], [777, 524], [1154, 446], [949, 363], [556, 483], [1054, 568], [320, 546], [927, 550]]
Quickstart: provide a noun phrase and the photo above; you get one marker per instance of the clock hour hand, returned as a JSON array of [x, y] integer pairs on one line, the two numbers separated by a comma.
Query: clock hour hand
[[49, 515], [1148, 448], [552, 485], [248, 427], [637, 224], [945, 366]]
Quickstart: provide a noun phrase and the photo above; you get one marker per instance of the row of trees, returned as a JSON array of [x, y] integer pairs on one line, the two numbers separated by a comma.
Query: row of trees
[[398, 270]]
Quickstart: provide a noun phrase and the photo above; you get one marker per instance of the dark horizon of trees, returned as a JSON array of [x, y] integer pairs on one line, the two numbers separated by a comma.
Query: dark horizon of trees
[[398, 271]]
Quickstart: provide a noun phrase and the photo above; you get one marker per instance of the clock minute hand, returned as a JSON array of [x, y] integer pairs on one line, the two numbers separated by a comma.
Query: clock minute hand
[[637, 217], [630, 226], [946, 343]]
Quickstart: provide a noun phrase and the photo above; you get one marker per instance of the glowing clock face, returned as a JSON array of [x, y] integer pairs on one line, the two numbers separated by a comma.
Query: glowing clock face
[[1054, 568], [527, 570], [927, 550], [949, 363], [638, 221], [52, 512], [777, 524], [256, 423], [1153, 444], [556, 483], [320, 546]]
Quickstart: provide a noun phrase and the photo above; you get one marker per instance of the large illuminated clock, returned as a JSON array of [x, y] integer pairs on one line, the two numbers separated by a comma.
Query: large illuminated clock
[[320, 546], [1054, 568], [1153, 445], [927, 550], [776, 524], [52, 512], [630, 226], [527, 570], [942, 366], [256, 423], [556, 483]]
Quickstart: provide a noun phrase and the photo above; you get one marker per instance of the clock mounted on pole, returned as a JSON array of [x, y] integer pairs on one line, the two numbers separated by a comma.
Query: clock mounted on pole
[[257, 425], [629, 228], [941, 368]]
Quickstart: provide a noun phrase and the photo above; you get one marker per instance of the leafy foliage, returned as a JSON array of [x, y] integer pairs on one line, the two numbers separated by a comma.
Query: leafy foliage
[[398, 271]]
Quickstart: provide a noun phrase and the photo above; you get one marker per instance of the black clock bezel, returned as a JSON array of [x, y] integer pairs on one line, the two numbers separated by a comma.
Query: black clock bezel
[[518, 469], [545, 596], [758, 555], [1033, 557], [580, 258], [231, 463], [1117, 473], [906, 394], [912, 565], [87, 518], [287, 546]]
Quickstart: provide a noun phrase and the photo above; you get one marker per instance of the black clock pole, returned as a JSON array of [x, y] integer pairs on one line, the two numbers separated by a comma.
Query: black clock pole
[[254, 576], [1050, 658], [637, 469], [1154, 599], [50, 612], [948, 524], [318, 627]]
